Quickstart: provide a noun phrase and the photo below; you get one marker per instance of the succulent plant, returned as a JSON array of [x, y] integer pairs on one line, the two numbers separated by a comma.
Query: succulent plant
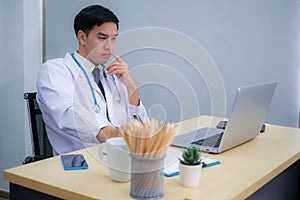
[[191, 156]]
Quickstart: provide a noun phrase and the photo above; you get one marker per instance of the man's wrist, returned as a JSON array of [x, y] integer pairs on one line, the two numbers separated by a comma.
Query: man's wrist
[[107, 132]]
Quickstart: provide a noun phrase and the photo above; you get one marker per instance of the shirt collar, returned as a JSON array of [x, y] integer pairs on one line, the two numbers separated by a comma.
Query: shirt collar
[[85, 63]]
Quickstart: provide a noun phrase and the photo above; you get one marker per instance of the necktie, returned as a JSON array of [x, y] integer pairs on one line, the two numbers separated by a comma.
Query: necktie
[[96, 74]]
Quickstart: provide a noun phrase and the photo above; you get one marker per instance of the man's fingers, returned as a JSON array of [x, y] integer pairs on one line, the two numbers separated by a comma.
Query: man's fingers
[[116, 56]]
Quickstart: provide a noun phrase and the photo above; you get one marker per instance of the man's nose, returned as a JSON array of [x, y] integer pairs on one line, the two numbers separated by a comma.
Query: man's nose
[[108, 44]]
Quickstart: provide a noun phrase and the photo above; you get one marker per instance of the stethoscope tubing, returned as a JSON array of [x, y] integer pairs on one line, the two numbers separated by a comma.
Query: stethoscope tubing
[[96, 105], [86, 77]]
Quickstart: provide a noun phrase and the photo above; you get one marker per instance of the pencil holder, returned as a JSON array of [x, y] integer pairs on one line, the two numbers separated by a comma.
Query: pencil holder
[[147, 178]]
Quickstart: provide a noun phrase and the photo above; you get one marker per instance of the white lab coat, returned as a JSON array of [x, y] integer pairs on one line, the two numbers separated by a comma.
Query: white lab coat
[[67, 105]]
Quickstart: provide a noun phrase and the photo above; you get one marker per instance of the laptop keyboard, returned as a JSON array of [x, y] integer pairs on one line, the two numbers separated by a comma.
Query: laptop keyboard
[[211, 141]]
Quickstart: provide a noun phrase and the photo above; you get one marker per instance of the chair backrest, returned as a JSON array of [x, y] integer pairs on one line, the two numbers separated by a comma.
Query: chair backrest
[[41, 144]]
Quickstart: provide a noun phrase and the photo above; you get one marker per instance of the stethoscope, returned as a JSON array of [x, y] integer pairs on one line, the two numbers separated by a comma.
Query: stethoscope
[[96, 106]]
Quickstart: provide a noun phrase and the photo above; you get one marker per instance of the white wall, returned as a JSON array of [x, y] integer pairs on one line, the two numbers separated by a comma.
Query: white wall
[[249, 41], [20, 58]]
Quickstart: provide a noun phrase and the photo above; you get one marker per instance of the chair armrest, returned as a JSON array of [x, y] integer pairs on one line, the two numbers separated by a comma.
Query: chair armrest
[[34, 158]]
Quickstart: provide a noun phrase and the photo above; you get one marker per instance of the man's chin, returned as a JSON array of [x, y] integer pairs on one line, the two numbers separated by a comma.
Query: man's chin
[[101, 61]]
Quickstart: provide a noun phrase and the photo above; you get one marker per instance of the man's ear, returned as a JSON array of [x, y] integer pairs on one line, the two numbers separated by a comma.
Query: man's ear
[[81, 36]]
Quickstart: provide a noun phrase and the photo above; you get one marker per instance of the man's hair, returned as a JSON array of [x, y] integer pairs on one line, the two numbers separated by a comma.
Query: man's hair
[[91, 16]]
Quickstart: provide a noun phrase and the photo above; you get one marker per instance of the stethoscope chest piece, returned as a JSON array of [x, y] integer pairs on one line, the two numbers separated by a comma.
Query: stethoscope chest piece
[[96, 108], [118, 100]]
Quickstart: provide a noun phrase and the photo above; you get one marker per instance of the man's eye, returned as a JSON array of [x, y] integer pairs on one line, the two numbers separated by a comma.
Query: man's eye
[[102, 38]]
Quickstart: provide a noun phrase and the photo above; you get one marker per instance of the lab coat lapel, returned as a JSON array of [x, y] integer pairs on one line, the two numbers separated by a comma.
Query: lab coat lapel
[[69, 61], [96, 87], [82, 95]]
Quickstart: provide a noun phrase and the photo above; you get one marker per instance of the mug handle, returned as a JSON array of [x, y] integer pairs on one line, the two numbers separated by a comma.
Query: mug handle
[[103, 154]]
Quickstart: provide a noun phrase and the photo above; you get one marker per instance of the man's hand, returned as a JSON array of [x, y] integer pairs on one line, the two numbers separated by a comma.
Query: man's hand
[[119, 68], [107, 132]]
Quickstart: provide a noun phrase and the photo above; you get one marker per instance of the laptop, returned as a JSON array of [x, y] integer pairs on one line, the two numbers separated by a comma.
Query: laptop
[[244, 124]]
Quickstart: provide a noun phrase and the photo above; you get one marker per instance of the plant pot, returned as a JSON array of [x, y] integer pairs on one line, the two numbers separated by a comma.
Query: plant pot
[[190, 175]]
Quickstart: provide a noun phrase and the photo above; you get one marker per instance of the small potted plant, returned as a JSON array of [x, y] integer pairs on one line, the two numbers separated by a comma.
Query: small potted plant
[[190, 167]]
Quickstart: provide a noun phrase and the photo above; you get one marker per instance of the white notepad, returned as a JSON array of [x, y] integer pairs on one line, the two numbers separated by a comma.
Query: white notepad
[[172, 162]]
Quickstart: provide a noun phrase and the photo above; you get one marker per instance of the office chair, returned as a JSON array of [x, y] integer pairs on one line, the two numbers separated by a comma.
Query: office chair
[[41, 146]]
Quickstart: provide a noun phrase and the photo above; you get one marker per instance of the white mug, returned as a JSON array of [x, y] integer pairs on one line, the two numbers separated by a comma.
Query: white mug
[[117, 158]]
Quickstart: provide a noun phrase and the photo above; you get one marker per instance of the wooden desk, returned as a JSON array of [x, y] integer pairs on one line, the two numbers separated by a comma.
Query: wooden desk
[[243, 170]]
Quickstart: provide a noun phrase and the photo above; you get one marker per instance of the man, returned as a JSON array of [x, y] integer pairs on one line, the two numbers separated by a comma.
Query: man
[[82, 101]]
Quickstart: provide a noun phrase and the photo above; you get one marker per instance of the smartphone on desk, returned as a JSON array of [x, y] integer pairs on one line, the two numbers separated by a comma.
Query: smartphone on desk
[[74, 162]]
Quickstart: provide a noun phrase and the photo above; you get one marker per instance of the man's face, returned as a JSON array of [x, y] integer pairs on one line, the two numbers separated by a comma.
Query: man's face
[[100, 42]]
